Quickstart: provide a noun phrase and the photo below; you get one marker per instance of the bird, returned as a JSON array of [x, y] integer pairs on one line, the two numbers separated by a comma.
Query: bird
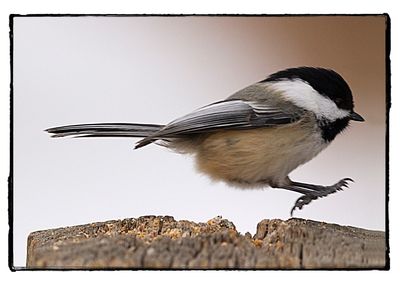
[[257, 136]]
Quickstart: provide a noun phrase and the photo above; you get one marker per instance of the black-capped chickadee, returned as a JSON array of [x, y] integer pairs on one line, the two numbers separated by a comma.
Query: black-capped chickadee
[[257, 136]]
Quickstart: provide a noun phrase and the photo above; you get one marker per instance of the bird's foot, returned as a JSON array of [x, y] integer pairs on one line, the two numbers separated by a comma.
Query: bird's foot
[[319, 192]]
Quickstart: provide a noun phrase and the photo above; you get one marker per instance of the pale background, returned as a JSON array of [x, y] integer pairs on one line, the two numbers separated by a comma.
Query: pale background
[[152, 70]]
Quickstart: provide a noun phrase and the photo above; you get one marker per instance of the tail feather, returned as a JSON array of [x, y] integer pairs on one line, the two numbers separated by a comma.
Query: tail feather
[[105, 130]]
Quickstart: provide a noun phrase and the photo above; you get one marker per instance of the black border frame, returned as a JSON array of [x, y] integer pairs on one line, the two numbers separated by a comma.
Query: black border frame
[[11, 177]]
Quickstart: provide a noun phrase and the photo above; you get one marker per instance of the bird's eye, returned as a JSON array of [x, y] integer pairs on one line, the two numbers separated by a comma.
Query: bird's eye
[[338, 101]]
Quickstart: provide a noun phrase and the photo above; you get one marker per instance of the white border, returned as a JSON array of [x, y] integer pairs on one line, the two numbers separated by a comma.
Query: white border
[[204, 6]]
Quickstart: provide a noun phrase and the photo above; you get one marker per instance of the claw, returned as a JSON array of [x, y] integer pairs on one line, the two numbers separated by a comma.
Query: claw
[[291, 211], [302, 201], [348, 179]]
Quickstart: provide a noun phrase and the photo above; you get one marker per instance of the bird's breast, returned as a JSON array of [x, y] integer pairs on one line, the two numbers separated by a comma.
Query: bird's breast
[[257, 157]]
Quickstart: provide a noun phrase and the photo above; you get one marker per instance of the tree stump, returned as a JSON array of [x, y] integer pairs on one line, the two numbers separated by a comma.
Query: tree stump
[[161, 242]]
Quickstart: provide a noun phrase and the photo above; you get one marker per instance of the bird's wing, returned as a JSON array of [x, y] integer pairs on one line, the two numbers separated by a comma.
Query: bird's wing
[[228, 114]]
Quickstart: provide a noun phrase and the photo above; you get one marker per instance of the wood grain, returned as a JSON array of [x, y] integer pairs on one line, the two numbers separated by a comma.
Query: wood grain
[[161, 242]]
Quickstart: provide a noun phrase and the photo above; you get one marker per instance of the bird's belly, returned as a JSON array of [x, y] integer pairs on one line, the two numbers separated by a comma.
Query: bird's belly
[[257, 157]]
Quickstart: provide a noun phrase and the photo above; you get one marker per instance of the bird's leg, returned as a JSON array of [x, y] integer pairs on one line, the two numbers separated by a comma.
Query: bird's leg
[[312, 192]]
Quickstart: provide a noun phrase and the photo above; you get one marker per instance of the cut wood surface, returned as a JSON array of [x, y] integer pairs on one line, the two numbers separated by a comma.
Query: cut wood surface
[[161, 242]]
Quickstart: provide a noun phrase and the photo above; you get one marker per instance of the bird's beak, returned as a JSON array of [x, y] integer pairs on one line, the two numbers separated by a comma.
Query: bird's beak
[[356, 117]]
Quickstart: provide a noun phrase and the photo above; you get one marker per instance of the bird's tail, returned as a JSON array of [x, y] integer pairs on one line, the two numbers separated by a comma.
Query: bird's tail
[[105, 130]]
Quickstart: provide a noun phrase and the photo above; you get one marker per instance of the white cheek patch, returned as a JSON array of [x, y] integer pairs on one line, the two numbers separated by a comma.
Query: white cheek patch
[[304, 96]]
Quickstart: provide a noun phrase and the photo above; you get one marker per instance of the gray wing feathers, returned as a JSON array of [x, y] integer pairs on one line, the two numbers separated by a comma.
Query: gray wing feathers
[[234, 114]]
